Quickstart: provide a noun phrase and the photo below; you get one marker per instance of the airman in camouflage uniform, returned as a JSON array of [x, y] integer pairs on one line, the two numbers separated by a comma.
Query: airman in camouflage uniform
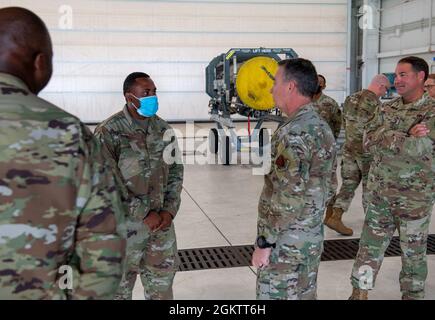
[[61, 215], [137, 145], [329, 110], [401, 183], [429, 85], [355, 164], [291, 206]]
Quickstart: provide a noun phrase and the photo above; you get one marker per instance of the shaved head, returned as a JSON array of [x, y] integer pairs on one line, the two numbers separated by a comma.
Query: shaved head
[[25, 47], [380, 79], [379, 85]]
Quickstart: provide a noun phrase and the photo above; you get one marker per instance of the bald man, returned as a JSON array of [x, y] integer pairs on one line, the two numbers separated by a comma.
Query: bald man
[[358, 109], [61, 216], [429, 85]]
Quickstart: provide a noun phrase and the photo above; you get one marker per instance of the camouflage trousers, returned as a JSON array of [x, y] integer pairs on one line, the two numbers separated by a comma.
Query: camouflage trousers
[[289, 281], [381, 221], [152, 255], [334, 185], [354, 170]]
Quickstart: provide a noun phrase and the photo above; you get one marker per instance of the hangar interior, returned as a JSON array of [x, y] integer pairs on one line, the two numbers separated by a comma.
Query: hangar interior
[[98, 42]]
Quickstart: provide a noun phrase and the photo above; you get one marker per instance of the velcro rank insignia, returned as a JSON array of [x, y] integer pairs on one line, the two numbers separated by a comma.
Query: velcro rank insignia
[[280, 162], [287, 162]]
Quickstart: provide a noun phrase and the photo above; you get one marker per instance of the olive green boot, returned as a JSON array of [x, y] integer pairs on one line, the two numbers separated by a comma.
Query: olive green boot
[[335, 223]]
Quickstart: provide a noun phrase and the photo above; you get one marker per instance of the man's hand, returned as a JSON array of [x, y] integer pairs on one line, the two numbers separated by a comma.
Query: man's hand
[[419, 130], [166, 220], [260, 257], [153, 220]]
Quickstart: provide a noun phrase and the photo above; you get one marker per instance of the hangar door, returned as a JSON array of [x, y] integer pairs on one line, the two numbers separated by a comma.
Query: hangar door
[[98, 42]]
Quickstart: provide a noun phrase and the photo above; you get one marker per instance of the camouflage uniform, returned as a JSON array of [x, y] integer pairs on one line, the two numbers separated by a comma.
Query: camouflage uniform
[[58, 203], [329, 110], [291, 206], [355, 164], [137, 147], [401, 193]]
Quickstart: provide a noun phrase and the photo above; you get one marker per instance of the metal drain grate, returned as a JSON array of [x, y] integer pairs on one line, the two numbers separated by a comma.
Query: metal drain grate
[[240, 256], [340, 249], [217, 257]]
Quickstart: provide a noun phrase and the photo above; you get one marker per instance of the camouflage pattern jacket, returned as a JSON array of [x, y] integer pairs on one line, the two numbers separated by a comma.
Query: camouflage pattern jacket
[[138, 150], [403, 166], [58, 203], [330, 111], [358, 109], [296, 189]]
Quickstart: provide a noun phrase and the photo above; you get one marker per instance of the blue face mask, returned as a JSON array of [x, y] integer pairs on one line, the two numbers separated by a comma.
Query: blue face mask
[[148, 106]]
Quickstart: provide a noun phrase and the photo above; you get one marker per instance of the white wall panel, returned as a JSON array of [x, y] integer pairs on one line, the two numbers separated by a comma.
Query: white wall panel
[[389, 64], [175, 106], [405, 31], [174, 41]]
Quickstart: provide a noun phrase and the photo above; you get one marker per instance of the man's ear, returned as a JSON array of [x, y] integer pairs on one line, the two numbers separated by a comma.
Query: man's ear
[[291, 85], [421, 75], [42, 64], [39, 62], [131, 100], [43, 68], [128, 97]]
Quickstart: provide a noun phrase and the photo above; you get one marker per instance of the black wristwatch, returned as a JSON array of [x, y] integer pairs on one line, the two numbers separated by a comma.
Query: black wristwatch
[[263, 244]]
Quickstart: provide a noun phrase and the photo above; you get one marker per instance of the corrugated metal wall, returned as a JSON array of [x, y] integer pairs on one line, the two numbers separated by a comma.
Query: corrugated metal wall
[[174, 41], [405, 30]]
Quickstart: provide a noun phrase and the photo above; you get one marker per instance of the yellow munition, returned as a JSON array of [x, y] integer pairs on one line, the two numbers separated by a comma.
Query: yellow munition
[[254, 82]]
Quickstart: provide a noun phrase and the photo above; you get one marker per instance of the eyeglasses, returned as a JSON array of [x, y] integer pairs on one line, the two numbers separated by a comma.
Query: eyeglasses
[[429, 86]]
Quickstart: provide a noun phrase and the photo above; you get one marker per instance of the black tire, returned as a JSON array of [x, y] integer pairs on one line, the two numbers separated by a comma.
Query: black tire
[[213, 141], [225, 151]]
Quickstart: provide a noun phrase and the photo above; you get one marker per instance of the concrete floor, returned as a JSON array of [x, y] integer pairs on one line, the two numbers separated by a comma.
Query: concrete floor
[[219, 208]]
